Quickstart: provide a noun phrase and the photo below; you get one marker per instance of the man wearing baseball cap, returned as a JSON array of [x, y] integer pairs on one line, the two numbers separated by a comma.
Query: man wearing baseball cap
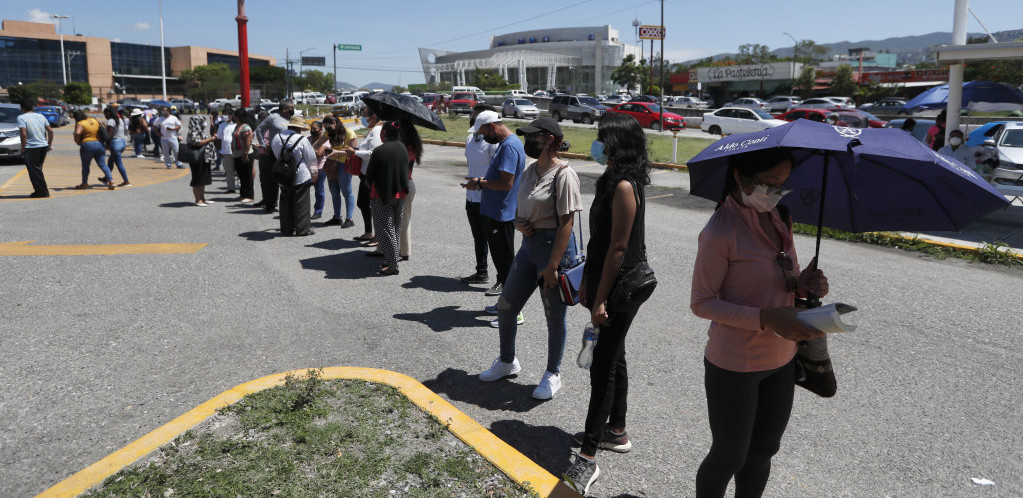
[[499, 192]]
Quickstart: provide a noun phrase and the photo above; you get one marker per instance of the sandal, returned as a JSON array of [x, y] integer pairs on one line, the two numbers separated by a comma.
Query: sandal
[[364, 237], [387, 271]]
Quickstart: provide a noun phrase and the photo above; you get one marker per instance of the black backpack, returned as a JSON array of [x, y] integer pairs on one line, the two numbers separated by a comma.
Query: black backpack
[[102, 134], [286, 166]]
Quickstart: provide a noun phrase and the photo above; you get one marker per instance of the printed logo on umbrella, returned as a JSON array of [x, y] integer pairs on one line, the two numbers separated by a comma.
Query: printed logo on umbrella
[[848, 132]]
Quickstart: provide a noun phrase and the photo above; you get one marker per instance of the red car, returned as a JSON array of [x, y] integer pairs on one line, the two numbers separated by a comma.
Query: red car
[[854, 118], [648, 114]]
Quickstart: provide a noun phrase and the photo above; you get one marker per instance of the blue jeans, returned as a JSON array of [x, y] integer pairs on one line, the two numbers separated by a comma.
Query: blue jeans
[[139, 141], [342, 187], [117, 147], [522, 278], [89, 151], [321, 195]]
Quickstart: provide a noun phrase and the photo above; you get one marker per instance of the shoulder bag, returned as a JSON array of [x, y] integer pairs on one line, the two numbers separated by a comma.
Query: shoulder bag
[[814, 370], [188, 154], [570, 278], [635, 285], [102, 134]]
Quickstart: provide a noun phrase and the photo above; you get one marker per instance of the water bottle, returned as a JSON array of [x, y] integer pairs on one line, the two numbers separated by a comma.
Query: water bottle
[[590, 334]]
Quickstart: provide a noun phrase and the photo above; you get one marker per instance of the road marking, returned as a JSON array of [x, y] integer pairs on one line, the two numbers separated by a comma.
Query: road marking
[[659, 196], [11, 180], [506, 458], [24, 248]]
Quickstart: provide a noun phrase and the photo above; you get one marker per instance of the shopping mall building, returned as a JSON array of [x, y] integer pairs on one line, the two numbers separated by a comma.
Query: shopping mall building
[[575, 60], [31, 52]]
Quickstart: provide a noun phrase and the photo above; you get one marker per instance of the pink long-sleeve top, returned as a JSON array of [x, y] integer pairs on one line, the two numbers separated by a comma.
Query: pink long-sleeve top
[[736, 275]]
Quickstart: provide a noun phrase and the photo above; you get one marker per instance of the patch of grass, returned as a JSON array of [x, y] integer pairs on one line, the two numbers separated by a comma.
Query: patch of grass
[[658, 147], [312, 437], [989, 253]]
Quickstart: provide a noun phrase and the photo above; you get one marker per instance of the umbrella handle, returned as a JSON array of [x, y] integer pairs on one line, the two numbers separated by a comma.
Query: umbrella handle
[[812, 301]]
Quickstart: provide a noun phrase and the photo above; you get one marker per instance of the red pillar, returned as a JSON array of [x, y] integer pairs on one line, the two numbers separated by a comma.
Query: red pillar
[[243, 52]]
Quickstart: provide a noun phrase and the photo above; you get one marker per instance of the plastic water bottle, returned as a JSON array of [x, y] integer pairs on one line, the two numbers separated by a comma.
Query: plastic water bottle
[[590, 335]]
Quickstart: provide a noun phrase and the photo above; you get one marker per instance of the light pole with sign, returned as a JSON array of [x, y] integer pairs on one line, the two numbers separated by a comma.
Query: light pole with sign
[[342, 46], [652, 33]]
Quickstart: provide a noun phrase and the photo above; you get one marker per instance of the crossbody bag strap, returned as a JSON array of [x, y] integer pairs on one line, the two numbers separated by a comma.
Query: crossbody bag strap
[[557, 218]]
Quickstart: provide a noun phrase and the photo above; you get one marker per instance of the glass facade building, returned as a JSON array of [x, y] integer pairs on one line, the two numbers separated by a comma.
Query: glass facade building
[[26, 60], [134, 59], [232, 61]]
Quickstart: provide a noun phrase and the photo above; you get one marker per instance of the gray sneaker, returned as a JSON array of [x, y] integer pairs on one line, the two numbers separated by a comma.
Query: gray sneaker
[[618, 443], [581, 474], [495, 290]]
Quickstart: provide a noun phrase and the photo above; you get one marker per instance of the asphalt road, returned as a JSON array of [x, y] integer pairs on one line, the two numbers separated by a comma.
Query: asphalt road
[[99, 350]]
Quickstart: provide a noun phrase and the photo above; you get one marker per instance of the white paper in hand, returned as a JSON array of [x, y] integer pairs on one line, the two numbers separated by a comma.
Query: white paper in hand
[[826, 318], [983, 482]]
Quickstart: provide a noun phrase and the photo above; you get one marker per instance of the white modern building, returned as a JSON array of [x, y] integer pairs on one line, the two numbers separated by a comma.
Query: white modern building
[[575, 60]]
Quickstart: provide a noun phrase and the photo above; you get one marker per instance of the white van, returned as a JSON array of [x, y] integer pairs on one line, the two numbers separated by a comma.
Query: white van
[[517, 94], [309, 97], [479, 93]]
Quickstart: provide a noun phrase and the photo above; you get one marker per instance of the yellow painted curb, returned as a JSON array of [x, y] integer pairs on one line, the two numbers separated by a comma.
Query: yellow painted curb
[[506, 458], [951, 245], [25, 248]]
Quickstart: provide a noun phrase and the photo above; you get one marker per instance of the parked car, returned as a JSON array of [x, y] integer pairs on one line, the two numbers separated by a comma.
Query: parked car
[[520, 108], [183, 105], [853, 118], [519, 94], [462, 102], [782, 103], [828, 102], [578, 108], [1008, 145], [886, 105], [689, 103], [10, 135], [346, 104], [749, 102], [919, 131], [434, 102], [986, 131], [612, 100], [645, 98], [648, 115], [53, 115], [541, 93], [731, 120]]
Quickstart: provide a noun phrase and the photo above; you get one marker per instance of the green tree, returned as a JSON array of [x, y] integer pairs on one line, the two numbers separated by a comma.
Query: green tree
[[78, 93], [488, 80], [808, 51], [22, 93], [46, 89], [315, 81], [398, 89], [267, 74], [842, 83], [805, 82], [754, 53], [873, 92], [629, 74], [210, 81]]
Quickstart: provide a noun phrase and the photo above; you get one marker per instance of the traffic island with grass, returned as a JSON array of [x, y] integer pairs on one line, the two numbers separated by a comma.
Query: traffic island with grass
[[315, 437]]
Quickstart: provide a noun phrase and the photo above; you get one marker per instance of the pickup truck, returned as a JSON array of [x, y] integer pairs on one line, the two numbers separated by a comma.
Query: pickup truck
[[220, 103], [462, 103]]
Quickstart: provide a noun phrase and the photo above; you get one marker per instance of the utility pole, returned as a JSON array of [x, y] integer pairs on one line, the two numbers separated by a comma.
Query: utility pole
[[334, 86], [163, 56], [664, 32], [63, 59], [795, 46], [243, 52]]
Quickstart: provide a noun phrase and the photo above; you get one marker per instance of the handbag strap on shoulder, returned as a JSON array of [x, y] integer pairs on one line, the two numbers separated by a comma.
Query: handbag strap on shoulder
[[579, 214]]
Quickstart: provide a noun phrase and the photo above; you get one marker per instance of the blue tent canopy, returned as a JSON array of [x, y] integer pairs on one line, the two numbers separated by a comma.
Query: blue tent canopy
[[974, 92]]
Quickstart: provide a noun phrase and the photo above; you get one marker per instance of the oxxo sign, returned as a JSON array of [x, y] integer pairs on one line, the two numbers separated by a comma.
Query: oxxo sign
[[651, 32]]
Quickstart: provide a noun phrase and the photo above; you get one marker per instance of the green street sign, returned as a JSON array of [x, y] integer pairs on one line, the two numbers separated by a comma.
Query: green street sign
[[343, 46]]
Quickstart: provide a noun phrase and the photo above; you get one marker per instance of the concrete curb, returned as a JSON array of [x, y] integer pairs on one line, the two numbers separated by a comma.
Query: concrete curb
[[506, 458]]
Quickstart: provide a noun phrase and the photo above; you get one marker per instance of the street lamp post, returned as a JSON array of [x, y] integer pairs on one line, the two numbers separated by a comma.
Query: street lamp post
[[300, 61], [63, 61], [163, 56], [795, 45]]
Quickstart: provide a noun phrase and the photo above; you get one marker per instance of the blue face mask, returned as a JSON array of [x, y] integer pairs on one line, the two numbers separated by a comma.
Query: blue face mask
[[597, 152], [365, 122]]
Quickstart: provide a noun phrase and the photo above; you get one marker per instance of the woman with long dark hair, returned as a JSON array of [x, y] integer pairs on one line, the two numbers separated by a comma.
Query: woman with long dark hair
[[116, 129], [746, 280], [387, 175], [408, 136], [242, 153], [617, 244], [90, 148], [339, 181], [199, 139]]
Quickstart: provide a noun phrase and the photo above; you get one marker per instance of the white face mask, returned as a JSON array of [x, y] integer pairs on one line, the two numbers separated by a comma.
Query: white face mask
[[763, 199], [955, 141]]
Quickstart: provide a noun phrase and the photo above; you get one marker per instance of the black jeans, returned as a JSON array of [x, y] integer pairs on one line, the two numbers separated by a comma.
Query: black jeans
[[34, 157], [295, 209], [501, 240], [609, 379], [244, 168], [749, 412], [267, 185], [479, 235], [363, 203]]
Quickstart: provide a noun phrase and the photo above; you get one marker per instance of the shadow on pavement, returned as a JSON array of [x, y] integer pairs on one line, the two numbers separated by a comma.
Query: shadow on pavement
[[502, 394], [335, 244], [179, 204], [260, 235], [550, 447], [445, 318], [345, 265], [436, 283]]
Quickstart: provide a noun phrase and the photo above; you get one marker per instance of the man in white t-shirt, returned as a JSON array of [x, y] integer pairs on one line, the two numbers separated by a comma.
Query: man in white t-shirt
[[36, 141], [224, 133], [478, 153], [169, 126]]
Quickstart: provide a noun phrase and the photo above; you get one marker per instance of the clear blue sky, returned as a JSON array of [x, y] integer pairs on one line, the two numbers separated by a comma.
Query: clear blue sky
[[391, 32]]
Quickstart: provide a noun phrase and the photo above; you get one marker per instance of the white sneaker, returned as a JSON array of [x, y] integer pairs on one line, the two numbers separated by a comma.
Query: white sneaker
[[519, 320], [549, 385], [500, 370]]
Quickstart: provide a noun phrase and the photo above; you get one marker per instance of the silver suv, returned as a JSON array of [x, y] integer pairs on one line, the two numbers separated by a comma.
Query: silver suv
[[10, 135], [579, 108]]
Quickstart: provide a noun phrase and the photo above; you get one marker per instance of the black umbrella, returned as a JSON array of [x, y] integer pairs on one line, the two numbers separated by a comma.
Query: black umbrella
[[393, 106]]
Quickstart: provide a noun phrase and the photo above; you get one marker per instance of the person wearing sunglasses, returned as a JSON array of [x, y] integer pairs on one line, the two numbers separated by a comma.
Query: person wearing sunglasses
[[745, 281]]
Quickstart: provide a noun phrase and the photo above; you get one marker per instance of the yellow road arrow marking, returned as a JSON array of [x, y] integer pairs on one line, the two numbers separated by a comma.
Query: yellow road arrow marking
[[24, 248]]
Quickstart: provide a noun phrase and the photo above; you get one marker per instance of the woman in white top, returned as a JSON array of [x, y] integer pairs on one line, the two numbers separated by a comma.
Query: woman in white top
[[548, 199], [118, 142], [371, 122]]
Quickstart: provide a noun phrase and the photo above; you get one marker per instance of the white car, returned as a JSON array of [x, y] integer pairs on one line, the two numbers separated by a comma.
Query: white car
[[828, 102], [1008, 144], [689, 103], [750, 102], [520, 108], [10, 135], [782, 103], [732, 120]]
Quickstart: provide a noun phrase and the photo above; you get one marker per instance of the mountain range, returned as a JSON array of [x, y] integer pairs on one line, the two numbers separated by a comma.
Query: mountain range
[[344, 85], [910, 49]]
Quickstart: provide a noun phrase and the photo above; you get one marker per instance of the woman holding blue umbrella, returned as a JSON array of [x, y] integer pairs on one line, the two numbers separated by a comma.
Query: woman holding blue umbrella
[[745, 281]]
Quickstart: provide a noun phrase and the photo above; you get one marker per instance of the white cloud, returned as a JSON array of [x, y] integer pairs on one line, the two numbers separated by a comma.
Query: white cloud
[[37, 15], [140, 26], [116, 40]]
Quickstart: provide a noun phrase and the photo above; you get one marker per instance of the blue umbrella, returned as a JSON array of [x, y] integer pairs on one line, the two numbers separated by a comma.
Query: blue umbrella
[[858, 180], [973, 92], [158, 103]]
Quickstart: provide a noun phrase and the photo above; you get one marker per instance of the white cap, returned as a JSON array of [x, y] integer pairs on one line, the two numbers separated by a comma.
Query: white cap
[[485, 118]]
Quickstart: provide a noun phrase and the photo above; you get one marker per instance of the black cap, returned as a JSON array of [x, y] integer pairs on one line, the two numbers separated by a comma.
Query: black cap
[[541, 124]]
